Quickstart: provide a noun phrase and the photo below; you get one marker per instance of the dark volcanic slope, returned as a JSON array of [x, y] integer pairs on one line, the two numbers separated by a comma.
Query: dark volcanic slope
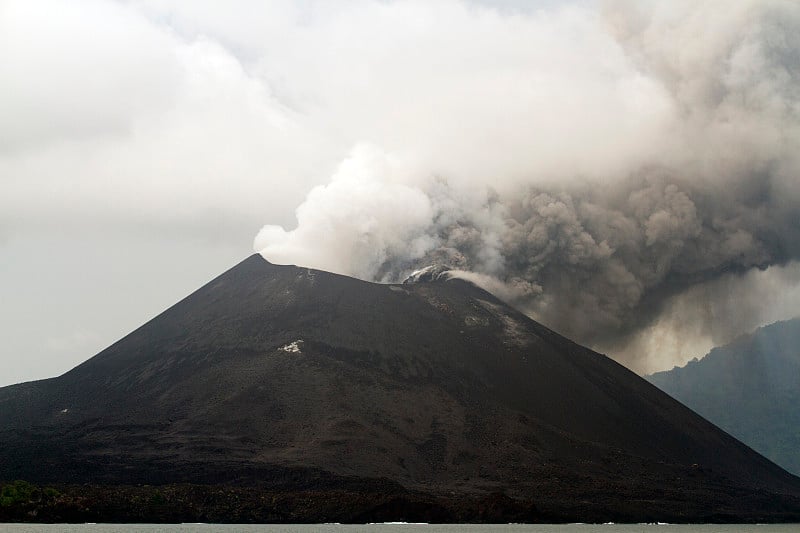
[[750, 388], [284, 376]]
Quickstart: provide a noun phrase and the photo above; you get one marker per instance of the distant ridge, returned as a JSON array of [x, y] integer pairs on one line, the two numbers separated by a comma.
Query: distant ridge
[[343, 400], [750, 388]]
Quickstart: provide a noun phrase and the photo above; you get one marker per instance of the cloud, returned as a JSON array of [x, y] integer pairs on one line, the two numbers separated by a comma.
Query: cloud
[[112, 115], [67, 72], [358, 222]]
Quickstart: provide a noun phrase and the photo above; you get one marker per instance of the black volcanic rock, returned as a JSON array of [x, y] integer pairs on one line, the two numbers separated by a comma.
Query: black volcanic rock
[[435, 398], [750, 388]]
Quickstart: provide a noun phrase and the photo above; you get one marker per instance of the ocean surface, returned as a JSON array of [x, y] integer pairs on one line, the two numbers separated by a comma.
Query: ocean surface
[[401, 528]]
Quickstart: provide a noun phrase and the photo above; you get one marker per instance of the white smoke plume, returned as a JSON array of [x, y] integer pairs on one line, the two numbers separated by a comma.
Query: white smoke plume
[[621, 174]]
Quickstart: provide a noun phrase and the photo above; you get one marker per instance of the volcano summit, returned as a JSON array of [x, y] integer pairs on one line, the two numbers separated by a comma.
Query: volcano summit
[[302, 395]]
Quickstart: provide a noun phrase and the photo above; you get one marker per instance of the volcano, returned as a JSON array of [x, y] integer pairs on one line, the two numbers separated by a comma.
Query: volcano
[[309, 396]]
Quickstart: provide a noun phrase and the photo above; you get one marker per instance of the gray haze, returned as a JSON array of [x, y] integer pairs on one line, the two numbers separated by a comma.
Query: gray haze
[[625, 172]]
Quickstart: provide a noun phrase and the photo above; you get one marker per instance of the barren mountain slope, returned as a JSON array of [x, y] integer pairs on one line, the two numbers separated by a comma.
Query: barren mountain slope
[[290, 379]]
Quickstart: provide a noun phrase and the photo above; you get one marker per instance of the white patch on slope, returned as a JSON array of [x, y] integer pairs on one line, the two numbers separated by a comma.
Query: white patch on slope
[[292, 347]]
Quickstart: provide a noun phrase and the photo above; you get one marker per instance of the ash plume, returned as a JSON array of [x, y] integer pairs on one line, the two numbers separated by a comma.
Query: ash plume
[[664, 200]]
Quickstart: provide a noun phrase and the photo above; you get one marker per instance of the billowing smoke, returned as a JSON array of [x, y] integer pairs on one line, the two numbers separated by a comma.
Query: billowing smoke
[[633, 182]]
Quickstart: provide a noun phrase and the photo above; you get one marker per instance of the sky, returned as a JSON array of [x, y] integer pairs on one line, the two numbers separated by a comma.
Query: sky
[[625, 172]]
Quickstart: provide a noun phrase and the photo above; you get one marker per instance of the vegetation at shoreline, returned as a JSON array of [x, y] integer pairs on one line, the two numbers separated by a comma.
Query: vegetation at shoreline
[[176, 503], [27, 502]]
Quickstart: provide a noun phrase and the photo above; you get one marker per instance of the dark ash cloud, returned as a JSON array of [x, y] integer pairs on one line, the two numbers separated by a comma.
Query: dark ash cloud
[[697, 187]]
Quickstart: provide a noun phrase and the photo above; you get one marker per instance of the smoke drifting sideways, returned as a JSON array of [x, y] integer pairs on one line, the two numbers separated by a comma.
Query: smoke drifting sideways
[[633, 182]]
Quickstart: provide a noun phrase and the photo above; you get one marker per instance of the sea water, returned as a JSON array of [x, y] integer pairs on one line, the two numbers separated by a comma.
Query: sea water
[[402, 528]]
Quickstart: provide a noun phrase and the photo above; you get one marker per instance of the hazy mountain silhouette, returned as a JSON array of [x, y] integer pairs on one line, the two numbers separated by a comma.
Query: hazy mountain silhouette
[[750, 388], [290, 379]]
